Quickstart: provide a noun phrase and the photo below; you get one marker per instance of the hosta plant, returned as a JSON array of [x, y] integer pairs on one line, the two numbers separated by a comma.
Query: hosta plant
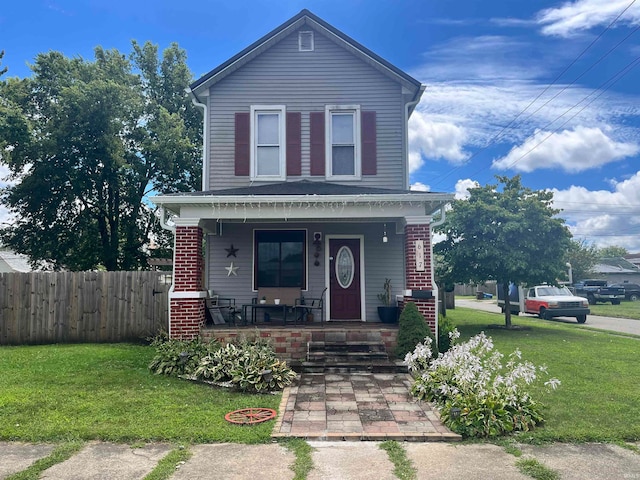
[[250, 366], [478, 395], [179, 357]]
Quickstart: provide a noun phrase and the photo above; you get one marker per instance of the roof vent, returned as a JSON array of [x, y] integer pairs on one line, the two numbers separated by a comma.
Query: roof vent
[[305, 41]]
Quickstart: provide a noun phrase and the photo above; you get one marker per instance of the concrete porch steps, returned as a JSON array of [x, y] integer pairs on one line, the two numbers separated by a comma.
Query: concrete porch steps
[[340, 352]]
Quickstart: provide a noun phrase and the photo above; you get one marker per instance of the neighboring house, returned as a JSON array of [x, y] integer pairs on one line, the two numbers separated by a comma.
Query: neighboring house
[[13, 262], [305, 181], [633, 258], [617, 270]]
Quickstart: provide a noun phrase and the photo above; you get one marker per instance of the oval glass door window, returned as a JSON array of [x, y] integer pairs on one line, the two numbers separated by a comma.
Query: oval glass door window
[[344, 267]]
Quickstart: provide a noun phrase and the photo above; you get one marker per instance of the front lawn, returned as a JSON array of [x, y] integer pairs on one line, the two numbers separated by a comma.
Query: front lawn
[[68, 392], [598, 399], [624, 310]]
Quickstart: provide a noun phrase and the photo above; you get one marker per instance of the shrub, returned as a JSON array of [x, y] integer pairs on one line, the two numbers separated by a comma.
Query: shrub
[[412, 329], [178, 357], [477, 395], [445, 327], [251, 366]]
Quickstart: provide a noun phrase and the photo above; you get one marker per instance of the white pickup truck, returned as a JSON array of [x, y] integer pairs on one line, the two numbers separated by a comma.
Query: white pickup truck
[[548, 302]]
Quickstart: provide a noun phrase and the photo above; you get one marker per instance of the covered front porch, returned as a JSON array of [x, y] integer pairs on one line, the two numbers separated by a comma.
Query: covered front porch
[[330, 242]]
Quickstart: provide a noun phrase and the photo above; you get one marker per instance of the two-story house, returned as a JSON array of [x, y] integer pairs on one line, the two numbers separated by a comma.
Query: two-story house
[[305, 181]]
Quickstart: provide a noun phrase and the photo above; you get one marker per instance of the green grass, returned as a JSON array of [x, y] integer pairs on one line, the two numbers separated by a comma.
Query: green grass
[[598, 399], [535, 469], [302, 450], [404, 469], [60, 454], [105, 392], [624, 310], [167, 466]]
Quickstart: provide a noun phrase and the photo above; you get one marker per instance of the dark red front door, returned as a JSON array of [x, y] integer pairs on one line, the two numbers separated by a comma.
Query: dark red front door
[[344, 279]]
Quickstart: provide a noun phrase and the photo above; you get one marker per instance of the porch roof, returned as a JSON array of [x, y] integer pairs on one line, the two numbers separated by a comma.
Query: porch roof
[[302, 200]]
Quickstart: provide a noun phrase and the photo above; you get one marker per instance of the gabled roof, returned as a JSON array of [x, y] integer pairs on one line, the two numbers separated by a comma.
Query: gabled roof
[[13, 262], [305, 17], [615, 265]]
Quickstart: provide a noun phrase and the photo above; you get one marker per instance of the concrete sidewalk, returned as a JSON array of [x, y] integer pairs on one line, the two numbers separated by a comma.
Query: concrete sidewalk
[[332, 461]]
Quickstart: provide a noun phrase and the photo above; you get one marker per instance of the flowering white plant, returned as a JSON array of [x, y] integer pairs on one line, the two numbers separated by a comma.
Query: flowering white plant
[[477, 394]]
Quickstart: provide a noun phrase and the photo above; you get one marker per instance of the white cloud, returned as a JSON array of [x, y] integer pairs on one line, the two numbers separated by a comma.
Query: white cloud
[[463, 186], [483, 58], [573, 151], [604, 217], [420, 187], [434, 140], [573, 17]]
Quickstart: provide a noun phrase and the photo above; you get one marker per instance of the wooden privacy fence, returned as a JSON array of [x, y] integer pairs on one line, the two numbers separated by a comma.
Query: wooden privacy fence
[[52, 307]]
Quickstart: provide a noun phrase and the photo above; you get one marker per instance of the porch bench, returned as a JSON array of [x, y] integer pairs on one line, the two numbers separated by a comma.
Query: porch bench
[[288, 297]]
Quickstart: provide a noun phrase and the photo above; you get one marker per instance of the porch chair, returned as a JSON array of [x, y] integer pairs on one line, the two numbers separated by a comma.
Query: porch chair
[[306, 305], [220, 308]]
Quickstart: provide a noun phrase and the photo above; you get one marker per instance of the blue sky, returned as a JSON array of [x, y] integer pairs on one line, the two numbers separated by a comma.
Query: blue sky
[[547, 89]]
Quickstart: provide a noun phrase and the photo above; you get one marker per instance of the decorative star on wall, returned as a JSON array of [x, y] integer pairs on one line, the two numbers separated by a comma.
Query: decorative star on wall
[[231, 270], [231, 251]]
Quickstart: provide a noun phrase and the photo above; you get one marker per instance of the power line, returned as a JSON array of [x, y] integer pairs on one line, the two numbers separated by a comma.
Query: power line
[[613, 81], [496, 136]]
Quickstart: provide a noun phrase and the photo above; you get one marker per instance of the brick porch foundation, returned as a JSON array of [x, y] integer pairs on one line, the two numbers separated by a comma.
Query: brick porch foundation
[[290, 342]]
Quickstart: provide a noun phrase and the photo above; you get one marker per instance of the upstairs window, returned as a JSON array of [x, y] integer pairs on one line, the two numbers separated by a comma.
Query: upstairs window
[[268, 142], [343, 141], [305, 41]]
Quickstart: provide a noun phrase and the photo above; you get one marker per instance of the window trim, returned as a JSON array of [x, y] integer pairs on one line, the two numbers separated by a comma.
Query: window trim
[[282, 114], [357, 139], [305, 255]]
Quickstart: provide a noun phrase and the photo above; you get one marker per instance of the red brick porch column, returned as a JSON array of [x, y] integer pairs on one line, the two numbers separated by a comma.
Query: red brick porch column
[[418, 228], [187, 295]]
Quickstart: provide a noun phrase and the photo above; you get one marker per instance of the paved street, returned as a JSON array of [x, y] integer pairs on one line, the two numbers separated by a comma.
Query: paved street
[[622, 325]]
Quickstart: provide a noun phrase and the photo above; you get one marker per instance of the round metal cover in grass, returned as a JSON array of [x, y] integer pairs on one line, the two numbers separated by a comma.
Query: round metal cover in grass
[[249, 416]]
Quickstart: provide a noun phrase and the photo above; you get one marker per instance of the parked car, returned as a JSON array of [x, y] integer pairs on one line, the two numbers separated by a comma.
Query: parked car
[[631, 290], [597, 290], [549, 302]]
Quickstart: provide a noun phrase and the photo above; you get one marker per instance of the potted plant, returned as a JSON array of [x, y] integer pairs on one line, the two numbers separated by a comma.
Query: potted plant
[[388, 313], [263, 300]]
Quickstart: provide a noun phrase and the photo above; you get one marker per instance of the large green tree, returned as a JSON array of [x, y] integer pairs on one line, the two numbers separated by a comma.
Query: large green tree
[[612, 251], [86, 142], [506, 232], [583, 257]]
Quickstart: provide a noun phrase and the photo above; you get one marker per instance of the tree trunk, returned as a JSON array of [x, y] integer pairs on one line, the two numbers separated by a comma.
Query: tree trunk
[[507, 304]]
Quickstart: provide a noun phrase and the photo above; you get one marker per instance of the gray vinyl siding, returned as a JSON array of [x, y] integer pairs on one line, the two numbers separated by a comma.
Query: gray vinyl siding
[[306, 82], [381, 260]]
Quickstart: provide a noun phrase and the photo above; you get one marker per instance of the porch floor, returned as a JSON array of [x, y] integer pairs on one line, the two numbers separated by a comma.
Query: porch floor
[[357, 406]]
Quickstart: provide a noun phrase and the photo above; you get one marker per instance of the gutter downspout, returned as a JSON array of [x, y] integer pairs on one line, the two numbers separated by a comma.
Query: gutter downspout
[[407, 107], [433, 270], [205, 139]]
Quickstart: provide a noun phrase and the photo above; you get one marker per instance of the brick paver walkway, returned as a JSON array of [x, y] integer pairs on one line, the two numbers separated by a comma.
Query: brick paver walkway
[[357, 406]]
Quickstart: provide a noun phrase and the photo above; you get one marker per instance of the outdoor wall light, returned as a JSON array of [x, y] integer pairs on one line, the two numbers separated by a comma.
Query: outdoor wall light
[[385, 239]]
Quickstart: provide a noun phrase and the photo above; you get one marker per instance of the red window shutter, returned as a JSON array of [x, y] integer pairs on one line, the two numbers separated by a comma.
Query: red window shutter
[[294, 144], [368, 133], [243, 145], [316, 120]]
